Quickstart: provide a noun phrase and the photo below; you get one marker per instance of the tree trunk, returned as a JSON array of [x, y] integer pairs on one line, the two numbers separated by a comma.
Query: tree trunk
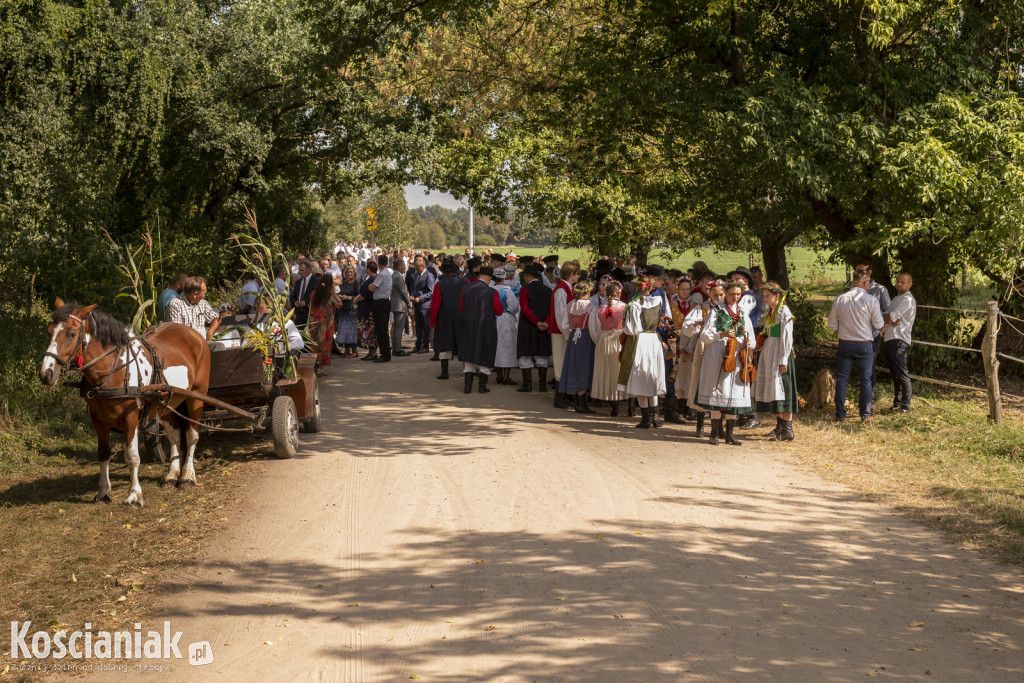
[[773, 251]]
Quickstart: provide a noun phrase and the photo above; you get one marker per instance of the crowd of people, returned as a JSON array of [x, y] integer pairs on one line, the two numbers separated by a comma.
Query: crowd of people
[[683, 346]]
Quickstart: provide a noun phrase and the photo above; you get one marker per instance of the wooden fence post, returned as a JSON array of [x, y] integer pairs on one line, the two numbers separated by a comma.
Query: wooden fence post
[[988, 354]]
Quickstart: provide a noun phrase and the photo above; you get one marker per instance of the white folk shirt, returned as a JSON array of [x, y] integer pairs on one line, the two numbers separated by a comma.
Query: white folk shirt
[[903, 310], [855, 316]]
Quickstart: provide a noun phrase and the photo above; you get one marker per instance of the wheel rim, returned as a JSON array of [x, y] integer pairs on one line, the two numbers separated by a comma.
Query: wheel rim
[[316, 401]]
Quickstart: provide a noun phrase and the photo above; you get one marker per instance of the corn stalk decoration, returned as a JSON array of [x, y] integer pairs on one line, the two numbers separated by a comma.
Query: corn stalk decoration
[[258, 259], [141, 287]]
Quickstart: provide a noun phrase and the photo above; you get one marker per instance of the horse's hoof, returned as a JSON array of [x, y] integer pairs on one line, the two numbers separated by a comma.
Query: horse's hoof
[[137, 504], [170, 483], [101, 499], [185, 484]]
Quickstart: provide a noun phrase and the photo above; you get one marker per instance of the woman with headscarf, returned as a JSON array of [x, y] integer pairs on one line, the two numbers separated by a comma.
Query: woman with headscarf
[[721, 391], [578, 365], [642, 368], [508, 326], [605, 329], [775, 388]]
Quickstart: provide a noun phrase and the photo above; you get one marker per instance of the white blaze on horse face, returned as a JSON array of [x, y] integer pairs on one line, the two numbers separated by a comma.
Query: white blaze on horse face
[[48, 361], [177, 376]]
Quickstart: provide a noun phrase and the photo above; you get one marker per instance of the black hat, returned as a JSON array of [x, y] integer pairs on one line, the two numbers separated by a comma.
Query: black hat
[[523, 260], [532, 269], [486, 270], [498, 257], [603, 266], [474, 262], [742, 270], [618, 274], [655, 270], [448, 266], [551, 258]]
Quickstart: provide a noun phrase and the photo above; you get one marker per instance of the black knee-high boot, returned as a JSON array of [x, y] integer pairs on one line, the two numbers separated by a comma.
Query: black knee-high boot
[[542, 380], [483, 383], [655, 418], [645, 420], [444, 369], [700, 425], [716, 429], [615, 408], [468, 388], [581, 404], [730, 437], [632, 405], [527, 380]]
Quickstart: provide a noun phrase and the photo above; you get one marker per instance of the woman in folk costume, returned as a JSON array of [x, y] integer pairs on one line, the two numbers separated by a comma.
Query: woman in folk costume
[[323, 306], [775, 388], [724, 392], [578, 364], [508, 326], [642, 368], [605, 329], [691, 343], [680, 304]]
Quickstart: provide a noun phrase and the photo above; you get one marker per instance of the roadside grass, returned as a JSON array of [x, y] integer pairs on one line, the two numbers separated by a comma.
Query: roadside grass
[[943, 464], [67, 561]]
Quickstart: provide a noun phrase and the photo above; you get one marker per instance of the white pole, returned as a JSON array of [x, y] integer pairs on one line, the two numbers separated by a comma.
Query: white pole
[[471, 236]]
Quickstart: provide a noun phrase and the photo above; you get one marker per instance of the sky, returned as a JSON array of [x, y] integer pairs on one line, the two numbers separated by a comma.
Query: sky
[[416, 196]]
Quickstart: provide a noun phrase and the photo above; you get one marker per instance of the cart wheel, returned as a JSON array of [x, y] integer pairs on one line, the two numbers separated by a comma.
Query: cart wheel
[[311, 425], [284, 427], [157, 447]]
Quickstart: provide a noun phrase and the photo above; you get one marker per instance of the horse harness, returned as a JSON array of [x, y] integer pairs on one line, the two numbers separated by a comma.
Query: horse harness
[[103, 391]]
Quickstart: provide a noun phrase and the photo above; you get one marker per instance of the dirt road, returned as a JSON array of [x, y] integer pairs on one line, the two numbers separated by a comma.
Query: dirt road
[[428, 534]]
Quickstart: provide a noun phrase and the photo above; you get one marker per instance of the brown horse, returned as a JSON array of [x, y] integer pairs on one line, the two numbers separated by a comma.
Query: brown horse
[[113, 361]]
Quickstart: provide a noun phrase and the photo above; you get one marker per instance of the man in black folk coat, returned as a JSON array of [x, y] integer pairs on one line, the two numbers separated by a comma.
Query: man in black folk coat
[[481, 307], [533, 344], [446, 314]]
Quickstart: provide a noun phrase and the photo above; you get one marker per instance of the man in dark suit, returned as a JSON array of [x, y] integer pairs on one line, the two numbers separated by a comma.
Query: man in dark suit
[[301, 293], [420, 291]]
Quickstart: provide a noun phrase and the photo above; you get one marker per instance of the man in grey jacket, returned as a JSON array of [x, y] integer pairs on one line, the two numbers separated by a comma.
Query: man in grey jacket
[[400, 305]]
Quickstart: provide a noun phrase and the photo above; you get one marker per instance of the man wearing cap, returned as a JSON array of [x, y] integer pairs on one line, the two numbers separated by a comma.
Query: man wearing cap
[[481, 307], [505, 357], [446, 314], [533, 343], [558, 320], [473, 268], [550, 277]]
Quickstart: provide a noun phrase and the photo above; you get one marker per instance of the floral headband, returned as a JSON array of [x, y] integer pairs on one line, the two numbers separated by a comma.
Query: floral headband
[[684, 278]]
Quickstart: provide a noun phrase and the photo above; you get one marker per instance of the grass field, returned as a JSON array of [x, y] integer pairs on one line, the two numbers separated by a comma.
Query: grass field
[[806, 265]]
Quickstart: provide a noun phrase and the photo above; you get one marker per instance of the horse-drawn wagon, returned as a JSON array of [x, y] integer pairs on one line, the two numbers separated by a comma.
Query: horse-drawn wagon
[[247, 388]]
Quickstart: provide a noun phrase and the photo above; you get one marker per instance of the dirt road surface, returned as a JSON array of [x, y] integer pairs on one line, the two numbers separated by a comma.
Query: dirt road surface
[[430, 535]]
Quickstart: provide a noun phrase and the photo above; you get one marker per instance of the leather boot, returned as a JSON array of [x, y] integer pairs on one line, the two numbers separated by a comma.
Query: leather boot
[[468, 389], [700, 425], [615, 408], [774, 434], [645, 420], [542, 380], [748, 421], [560, 400], [686, 413], [786, 433], [632, 407], [730, 438], [527, 386], [444, 370], [672, 410], [716, 426], [581, 404], [655, 418], [483, 383]]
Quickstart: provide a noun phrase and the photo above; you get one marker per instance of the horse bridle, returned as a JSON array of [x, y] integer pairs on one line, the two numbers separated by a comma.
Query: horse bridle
[[65, 364]]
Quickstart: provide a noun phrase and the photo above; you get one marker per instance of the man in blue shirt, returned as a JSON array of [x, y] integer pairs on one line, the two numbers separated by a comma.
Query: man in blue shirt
[[169, 294]]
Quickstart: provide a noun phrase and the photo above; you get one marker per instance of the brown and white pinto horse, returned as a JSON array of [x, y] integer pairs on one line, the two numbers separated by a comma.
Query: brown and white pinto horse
[[111, 356]]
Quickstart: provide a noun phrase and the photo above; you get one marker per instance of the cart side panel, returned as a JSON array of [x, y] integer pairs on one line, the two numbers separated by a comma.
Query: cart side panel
[[235, 367]]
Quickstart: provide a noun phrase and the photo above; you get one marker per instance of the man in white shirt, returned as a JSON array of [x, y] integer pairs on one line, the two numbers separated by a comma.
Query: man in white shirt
[[855, 317], [381, 289], [899, 321], [877, 290]]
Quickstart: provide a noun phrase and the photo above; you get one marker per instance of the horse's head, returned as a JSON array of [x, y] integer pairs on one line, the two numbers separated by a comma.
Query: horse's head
[[69, 335]]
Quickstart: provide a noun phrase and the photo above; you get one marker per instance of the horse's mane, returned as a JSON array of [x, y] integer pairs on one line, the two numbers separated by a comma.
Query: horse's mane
[[103, 327]]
